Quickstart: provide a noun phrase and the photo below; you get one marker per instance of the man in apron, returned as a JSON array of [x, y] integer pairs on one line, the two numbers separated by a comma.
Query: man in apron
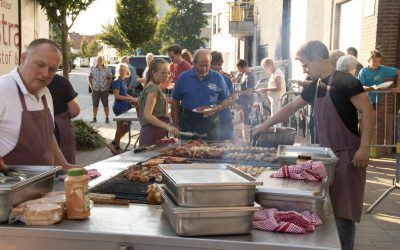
[[26, 109], [199, 87], [336, 97]]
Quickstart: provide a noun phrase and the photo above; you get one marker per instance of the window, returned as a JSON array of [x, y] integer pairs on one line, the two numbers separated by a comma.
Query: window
[[214, 23]]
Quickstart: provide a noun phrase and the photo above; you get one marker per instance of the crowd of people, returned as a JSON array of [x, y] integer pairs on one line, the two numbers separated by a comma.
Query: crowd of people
[[204, 101]]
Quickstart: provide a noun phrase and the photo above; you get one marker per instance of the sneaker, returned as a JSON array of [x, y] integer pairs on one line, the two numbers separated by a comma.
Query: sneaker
[[94, 120], [111, 146], [107, 120]]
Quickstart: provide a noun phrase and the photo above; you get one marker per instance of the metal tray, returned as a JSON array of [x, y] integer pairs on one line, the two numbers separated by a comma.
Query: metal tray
[[287, 194], [288, 155], [207, 221], [40, 181], [208, 185]]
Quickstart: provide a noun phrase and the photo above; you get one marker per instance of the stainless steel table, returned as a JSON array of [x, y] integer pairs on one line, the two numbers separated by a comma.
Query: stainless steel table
[[144, 227], [129, 116]]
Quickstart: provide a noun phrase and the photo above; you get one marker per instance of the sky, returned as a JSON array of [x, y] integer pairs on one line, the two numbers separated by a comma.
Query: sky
[[89, 22]]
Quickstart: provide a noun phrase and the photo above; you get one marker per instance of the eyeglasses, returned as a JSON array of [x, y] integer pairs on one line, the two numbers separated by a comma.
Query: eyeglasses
[[166, 73]]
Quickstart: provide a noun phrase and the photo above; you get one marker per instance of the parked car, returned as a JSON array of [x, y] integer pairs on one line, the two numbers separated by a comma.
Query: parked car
[[139, 62], [112, 67]]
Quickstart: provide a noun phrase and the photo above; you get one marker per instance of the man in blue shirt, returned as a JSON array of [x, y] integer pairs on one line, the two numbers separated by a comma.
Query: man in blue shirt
[[374, 74], [196, 88]]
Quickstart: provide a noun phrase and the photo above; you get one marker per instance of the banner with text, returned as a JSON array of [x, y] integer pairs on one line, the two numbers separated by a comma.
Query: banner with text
[[9, 35]]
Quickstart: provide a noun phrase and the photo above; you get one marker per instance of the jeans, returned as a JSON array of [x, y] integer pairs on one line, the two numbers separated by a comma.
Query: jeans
[[347, 230]]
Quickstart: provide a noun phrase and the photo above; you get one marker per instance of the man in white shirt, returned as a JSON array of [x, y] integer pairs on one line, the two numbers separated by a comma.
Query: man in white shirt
[[26, 109], [276, 85]]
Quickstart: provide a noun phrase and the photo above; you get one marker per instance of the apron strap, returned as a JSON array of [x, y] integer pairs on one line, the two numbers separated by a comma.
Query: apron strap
[[21, 98]]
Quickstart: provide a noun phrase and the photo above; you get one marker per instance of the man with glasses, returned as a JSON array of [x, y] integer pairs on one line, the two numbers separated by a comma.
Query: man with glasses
[[336, 97], [178, 64], [100, 79], [202, 93]]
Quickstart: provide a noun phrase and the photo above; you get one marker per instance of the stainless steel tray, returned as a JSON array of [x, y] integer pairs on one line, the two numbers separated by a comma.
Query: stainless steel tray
[[207, 221], [288, 155], [287, 194], [40, 181], [208, 185]]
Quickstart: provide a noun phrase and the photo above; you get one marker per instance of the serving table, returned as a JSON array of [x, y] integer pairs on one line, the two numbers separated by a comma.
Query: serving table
[[129, 117], [145, 227]]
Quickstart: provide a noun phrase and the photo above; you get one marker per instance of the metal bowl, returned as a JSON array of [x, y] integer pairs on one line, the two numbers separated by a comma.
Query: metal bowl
[[281, 136]]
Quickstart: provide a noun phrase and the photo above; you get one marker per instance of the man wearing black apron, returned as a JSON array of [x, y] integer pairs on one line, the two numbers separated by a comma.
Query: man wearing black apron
[[26, 109], [199, 87], [336, 97]]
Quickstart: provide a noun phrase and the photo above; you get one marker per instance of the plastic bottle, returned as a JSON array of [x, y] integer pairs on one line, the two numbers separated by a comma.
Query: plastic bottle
[[76, 193]]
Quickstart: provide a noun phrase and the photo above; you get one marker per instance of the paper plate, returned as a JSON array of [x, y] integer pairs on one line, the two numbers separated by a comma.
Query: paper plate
[[203, 109], [383, 85]]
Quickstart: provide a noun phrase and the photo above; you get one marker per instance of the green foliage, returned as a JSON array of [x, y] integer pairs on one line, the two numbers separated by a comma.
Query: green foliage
[[111, 36], [152, 46], [87, 137], [182, 25], [57, 12], [136, 21], [55, 34], [90, 48]]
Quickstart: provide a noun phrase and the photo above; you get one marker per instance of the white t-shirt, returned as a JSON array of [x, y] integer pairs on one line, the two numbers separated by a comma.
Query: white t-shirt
[[11, 109], [275, 96]]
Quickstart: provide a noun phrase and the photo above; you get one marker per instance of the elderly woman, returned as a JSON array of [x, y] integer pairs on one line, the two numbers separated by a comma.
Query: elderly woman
[[334, 56], [347, 63], [121, 105], [153, 105], [149, 59]]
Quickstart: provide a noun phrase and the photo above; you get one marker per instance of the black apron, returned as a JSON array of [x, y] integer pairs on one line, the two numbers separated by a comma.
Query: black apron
[[195, 122]]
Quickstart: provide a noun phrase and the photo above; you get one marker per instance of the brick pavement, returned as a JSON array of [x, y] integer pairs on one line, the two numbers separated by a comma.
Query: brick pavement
[[379, 230]]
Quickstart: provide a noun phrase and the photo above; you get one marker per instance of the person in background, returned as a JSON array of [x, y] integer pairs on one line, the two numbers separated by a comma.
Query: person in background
[[237, 121], [26, 109], [347, 63], [353, 52], [336, 97], [247, 83], [334, 56], [196, 88], [225, 115], [132, 81], [100, 78], [187, 56], [121, 105], [149, 59], [276, 84], [178, 64], [153, 106], [374, 74], [66, 107]]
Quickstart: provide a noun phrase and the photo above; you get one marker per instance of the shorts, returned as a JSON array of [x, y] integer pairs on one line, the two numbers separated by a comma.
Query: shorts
[[100, 95], [246, 114], [117, 112]]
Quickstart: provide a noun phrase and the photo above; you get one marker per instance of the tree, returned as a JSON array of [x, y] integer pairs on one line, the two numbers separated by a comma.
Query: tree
[[136, 21], [182, 25], [90, 48], [57, 12], [111, 36]]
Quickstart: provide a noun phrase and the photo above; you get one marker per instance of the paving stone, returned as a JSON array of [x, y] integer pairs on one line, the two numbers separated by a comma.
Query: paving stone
[[393, 233], [358, 247], [371, 230], [379, 237], [386, 245], [362, 241]]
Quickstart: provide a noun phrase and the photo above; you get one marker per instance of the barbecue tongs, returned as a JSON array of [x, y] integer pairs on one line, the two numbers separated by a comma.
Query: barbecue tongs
[[192, 134]]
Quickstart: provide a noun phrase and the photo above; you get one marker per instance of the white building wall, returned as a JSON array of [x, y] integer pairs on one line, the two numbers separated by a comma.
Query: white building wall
[[33, 25], [222, 41]]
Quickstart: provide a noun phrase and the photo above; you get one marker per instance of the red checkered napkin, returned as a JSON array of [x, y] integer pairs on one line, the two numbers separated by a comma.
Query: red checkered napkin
[[270, 219], [307, 171]]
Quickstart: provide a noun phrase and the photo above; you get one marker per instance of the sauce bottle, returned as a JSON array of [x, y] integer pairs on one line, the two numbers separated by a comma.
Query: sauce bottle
[[76, 193]]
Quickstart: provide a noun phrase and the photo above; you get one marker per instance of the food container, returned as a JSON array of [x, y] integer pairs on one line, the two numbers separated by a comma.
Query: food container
[[288, 155], [274, 138], [208, 185], [288, 194], [40, 181], [207, 221]]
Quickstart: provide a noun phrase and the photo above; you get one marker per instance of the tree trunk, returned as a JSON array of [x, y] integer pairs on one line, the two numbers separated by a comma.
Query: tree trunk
[[64, 47]]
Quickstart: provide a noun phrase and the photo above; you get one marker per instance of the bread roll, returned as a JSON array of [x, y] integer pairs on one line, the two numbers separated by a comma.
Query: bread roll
[[42, 214]]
